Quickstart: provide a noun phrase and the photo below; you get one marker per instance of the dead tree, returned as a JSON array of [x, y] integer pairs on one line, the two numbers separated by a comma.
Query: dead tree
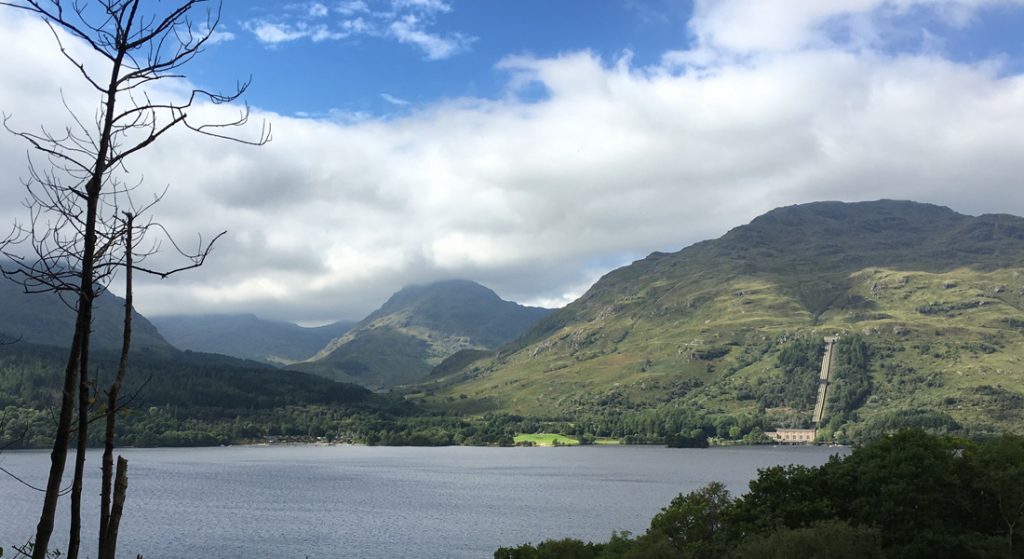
[[76, 185], [105, 543]]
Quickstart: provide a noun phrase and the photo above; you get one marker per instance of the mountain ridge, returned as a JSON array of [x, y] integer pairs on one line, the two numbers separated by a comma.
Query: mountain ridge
[[704, 327]]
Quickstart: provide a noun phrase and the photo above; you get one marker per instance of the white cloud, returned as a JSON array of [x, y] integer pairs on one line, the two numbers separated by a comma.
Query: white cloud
[[352, 7], [275, 33], [394, 100], [535, 199], [323, 33], [317, 9], [408, 30], [220, 34], [221, 37], [358, 26]]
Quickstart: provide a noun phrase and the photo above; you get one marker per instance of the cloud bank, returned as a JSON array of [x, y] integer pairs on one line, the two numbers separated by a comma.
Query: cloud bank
[[538, 198]]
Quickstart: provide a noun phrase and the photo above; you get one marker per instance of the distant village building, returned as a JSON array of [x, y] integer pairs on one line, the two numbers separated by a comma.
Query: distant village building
[[792, 436]]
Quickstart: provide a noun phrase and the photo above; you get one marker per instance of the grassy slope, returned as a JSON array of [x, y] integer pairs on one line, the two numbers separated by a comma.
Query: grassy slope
[[937, 296]]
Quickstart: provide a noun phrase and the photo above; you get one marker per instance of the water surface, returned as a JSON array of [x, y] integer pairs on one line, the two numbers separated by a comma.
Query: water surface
[[325, 502]]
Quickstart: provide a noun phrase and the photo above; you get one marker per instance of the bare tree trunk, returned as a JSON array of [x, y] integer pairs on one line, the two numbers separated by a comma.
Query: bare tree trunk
[[59, 454], [79, 347], [120, 488], [112, 394], [75, 535]]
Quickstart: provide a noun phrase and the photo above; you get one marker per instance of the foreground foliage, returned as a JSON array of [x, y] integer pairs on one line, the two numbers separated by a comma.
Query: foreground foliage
[[906, 496]]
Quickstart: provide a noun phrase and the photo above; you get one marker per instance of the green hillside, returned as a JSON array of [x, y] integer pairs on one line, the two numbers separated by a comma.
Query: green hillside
[[928, 303], [416, 329], [247, 337]]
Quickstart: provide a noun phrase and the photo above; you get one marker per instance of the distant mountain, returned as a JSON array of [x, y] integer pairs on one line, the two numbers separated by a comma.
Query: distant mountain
[[43, 318], [417, 328], [247, 337], [929, 304]]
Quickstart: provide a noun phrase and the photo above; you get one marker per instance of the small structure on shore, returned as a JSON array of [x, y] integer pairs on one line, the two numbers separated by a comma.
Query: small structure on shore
[[792, 436]]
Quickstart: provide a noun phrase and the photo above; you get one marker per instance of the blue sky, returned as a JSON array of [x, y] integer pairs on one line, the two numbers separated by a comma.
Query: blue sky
[[534, 145], [352, 74]]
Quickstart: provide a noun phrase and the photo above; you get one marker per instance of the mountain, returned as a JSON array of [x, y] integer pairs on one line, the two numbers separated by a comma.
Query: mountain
[[417, 328], [247, 337], [43, 318], [928, 304]]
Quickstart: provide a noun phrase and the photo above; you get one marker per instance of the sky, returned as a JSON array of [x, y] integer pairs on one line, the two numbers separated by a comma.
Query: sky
[[535, 145]]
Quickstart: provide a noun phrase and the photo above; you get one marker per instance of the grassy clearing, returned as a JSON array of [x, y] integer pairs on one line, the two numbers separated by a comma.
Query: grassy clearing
[[550, 439], [546, 439]]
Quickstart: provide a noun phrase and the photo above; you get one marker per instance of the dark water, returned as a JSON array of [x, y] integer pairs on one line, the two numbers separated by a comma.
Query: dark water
[[374, 502]]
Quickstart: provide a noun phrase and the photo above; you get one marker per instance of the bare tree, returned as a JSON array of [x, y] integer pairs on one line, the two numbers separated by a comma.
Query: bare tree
[[110, 512], [108, 532], [74, 233]]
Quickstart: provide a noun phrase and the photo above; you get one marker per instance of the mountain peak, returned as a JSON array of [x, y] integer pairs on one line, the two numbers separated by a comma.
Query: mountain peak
[[445, 289], [837, 210], [418, 327]]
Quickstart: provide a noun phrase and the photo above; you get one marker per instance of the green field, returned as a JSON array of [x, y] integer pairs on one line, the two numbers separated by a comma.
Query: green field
[[546, 439], [554, 439]]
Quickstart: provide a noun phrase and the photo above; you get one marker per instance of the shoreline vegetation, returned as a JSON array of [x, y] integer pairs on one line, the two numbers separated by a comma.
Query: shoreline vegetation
[[910, 495]]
